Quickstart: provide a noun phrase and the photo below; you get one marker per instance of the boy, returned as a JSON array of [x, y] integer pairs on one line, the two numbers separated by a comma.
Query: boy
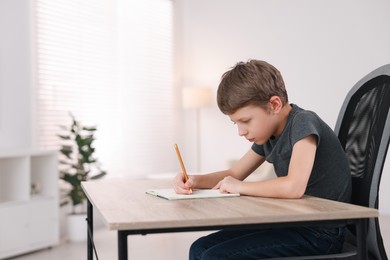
[[306, 154]]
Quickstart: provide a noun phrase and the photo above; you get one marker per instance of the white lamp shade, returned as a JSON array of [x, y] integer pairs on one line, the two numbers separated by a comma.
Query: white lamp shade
[[196, 97]]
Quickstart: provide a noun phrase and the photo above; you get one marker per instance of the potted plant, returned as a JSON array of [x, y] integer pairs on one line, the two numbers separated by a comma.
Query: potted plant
[[77, 163]]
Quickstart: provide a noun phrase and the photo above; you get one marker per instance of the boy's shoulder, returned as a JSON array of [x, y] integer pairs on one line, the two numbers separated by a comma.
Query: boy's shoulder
[[303, 120], [298, 113]]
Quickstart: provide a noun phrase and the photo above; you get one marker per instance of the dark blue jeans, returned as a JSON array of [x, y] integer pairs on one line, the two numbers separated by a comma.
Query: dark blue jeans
[[267, 243]]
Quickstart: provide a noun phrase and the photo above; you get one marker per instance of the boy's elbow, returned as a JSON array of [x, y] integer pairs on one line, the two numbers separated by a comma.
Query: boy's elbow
[[297, 195], [295, 192]]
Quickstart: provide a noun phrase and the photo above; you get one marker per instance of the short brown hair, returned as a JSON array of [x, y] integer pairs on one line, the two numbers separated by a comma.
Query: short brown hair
[[250, 83]]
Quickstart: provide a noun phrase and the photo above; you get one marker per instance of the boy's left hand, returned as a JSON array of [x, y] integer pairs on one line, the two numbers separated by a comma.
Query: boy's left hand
[[229, 185]]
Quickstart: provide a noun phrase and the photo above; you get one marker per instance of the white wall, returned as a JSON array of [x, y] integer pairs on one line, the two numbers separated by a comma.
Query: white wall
[[322, 49], [15, 73]]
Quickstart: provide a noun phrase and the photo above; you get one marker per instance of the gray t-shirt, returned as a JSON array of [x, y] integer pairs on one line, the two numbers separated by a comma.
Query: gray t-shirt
[[330, 177]]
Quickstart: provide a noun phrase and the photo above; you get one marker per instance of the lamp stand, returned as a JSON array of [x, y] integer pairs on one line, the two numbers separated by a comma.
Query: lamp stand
[[198, 141]]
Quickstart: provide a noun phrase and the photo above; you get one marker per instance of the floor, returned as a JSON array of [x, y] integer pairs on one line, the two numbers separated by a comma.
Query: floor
[[156, 246]]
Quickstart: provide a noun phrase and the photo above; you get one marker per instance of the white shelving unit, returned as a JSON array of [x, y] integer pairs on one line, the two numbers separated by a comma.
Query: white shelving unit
[[29, 207]]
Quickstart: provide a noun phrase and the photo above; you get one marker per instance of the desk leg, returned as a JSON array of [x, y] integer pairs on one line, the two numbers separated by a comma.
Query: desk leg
[[122, 245], [361, 239], [89, 230]]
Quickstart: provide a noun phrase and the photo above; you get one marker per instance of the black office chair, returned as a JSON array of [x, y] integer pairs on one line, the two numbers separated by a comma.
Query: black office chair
[[363, 127]]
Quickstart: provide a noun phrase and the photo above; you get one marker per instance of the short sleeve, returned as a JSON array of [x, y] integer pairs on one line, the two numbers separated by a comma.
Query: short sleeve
[[259, 149], [304, 124]]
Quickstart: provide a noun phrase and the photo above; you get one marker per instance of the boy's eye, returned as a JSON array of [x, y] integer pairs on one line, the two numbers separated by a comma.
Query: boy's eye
[[242, 121]]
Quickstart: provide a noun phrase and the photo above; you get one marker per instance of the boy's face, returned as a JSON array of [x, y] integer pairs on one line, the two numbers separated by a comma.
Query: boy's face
[[255, 123]]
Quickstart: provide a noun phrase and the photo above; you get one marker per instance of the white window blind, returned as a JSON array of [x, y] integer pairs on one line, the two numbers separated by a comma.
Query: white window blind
[[109, 63]]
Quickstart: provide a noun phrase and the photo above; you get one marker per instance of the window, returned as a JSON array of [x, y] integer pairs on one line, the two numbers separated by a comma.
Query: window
[[110, 64]]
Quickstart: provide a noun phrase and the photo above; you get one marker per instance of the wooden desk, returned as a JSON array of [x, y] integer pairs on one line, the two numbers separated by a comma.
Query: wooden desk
[[126, 208]]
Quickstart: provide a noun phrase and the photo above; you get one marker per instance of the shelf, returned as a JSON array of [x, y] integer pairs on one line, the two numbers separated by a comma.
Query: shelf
[[44, 172], [8, 204], [14, 179], [29, 205]]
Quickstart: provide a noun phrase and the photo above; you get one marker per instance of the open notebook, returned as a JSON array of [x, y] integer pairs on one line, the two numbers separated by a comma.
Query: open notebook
[[170, 194]]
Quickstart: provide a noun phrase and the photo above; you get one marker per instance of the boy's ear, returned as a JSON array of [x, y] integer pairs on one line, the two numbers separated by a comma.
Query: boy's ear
[[276, 104]]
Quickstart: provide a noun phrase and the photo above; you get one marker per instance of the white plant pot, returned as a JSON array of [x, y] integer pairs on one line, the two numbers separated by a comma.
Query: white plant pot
[[77, 227]]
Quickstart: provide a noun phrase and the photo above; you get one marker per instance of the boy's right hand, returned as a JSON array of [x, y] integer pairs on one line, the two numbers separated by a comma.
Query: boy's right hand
[[182, 187]]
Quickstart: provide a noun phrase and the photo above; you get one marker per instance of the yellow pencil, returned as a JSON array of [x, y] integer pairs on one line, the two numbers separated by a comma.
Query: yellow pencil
[[185, 176]]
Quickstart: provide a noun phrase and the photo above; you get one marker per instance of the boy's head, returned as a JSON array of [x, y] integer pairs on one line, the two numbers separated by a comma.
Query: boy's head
[[250, 83]]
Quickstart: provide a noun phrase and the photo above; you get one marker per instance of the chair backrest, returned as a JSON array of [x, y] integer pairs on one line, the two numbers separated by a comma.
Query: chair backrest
[[363, 127]]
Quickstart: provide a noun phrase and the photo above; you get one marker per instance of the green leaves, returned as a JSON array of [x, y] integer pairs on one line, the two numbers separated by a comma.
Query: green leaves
[[77, 161], [67, 150]]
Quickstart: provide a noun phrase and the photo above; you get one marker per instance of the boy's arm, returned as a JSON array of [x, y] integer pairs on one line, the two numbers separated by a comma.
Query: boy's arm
[[240, 170], [291, 186]]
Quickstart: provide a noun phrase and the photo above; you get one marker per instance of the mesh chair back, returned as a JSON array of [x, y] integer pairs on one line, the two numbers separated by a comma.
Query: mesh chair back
[[363, 127]]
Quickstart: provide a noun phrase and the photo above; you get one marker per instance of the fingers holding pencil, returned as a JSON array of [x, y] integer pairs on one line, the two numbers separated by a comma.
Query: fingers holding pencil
[[182, 187], [185, 185]]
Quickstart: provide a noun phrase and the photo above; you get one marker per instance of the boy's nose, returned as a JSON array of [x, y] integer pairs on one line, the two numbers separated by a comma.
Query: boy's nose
[[242, 131]]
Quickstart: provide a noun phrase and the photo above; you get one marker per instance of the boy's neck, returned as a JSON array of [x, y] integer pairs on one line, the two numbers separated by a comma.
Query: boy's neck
[[283, 115]]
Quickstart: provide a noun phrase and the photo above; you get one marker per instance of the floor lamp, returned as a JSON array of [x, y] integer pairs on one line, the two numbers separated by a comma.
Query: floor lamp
[[197, 98]]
